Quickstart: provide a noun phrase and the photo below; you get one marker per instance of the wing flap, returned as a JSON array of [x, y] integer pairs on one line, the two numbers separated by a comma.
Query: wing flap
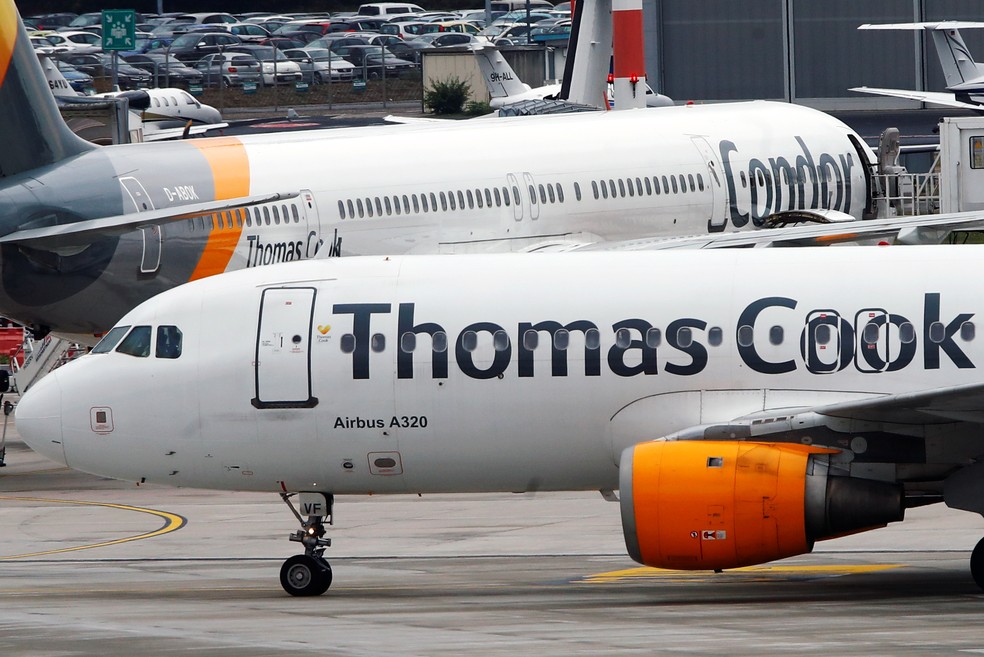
[[923, 229]]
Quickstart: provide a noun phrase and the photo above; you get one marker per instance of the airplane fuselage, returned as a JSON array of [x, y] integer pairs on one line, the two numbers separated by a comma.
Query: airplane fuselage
[[516, 372], [416, 189]]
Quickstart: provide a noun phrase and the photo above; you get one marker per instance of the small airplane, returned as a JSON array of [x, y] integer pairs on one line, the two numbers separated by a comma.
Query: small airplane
[[157, 114], [506, 88], [964, 76], [87, 233], [745, 403]]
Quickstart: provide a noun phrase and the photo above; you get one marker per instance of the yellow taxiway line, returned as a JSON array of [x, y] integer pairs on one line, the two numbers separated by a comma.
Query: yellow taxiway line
[[172, 522], [643, 573]]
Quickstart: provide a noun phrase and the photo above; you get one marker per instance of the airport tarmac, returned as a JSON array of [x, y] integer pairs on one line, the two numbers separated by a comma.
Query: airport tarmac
[[90, 566]]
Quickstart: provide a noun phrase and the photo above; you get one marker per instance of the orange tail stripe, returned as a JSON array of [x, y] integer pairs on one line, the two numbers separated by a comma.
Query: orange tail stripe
[[230, 174], [9, 22]]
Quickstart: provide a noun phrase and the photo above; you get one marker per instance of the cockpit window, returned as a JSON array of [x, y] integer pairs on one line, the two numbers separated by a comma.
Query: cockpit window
[[136, 343], [168, 342], [110, 339]]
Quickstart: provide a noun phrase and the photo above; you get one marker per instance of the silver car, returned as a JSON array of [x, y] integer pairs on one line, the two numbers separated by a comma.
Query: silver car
[[321, 65], [230, 69]]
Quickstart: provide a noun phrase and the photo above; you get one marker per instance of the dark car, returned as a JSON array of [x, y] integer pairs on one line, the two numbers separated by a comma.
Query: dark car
[[191, 47], [52, 21], [166, 71], [371, 61], [282, 43], [100, 67], [79, 81]]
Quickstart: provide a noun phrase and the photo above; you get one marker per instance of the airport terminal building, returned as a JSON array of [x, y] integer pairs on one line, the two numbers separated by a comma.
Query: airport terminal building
[[798, 50]]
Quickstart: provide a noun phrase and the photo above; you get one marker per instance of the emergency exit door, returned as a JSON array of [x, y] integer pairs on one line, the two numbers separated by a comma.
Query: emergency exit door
[[283, 348]]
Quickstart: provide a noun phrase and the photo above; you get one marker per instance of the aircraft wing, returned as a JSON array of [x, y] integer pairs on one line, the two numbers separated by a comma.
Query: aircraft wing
[[954, 404], [82, 233], [160, 134], [923, 229], [930, 97]]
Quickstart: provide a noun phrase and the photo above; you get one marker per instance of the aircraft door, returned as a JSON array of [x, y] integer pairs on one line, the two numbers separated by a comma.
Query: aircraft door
[[874, 334], [827, 342], [313, 243], [138, 200], [715, 185], [513, 190], [531, 191], [283, 348]]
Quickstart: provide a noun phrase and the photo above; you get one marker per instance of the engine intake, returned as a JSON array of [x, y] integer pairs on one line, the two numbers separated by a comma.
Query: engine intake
[[707, 505]]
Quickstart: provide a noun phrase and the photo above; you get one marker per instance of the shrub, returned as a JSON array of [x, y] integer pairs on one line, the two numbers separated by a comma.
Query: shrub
[[447, 96], [477, 108]]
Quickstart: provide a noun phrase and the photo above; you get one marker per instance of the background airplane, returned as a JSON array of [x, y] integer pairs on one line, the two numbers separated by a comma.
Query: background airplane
[[87, 233], [506, 89], [155, 114], [964, 77], [742, 408]]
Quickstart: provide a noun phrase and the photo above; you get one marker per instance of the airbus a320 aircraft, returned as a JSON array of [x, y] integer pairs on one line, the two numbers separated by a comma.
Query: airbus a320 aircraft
[[743, 409], [87, 233]]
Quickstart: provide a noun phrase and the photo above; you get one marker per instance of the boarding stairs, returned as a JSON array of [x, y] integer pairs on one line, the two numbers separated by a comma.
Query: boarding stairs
[[36, 358]]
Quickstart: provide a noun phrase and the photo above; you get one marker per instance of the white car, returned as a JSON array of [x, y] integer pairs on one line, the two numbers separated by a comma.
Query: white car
[[276, 67], [321, 65], [77, 41]]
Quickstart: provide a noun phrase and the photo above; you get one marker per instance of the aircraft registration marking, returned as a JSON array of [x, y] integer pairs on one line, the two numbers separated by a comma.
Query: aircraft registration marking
[[749, 572], [172, 522]]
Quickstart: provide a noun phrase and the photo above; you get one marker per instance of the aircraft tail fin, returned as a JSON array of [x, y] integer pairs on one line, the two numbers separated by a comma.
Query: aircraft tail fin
[[34, 134], [499, 76], [959, 68]]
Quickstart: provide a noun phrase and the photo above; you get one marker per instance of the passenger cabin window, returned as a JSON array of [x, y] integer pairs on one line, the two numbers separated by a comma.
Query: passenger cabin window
[[110, 340], [136, 343], [168, 342]]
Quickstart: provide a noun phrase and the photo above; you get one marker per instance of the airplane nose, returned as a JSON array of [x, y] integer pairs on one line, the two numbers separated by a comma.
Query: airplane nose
[[38, 418]]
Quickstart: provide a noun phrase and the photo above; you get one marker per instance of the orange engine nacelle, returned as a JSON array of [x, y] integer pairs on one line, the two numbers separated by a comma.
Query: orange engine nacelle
[[707, 505]]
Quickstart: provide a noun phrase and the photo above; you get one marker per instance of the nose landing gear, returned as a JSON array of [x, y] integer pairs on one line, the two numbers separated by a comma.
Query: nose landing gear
[[309, 574]]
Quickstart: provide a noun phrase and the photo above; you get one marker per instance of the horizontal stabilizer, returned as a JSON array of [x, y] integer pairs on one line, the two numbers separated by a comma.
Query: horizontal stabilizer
[[161, 134], [82, 233], [929, 97], [930, 25]]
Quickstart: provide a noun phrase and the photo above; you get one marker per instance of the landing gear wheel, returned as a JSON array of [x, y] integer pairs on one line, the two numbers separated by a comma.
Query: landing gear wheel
[[977, 563], [304, 575]]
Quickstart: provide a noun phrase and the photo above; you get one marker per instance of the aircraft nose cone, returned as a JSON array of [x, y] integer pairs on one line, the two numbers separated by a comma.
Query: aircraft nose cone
[[38, 418]]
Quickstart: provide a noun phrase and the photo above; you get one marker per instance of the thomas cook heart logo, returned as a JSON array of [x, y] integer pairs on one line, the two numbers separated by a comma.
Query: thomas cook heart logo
[[324, 328]]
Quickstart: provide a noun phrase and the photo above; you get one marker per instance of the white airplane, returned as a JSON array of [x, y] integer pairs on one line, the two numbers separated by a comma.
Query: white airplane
[[505, 87], [157, 114], [964, 77], [115, 225], [745, 403]]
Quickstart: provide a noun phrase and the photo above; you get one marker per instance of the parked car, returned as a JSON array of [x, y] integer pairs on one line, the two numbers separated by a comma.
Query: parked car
[[283, 43], [45, 47], [191, 47], [249, 32], [409, 29], [389, 9], [75, 41], [209, 17], [445, 39], [335, 41], [370, 62], [166, 70], [230, 69], [276, 67], [52, 21], [321, 65], [100, 65], [79, 81]]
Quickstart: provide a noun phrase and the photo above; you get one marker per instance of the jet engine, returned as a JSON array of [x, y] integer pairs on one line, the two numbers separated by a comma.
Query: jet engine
[[710, 505]]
